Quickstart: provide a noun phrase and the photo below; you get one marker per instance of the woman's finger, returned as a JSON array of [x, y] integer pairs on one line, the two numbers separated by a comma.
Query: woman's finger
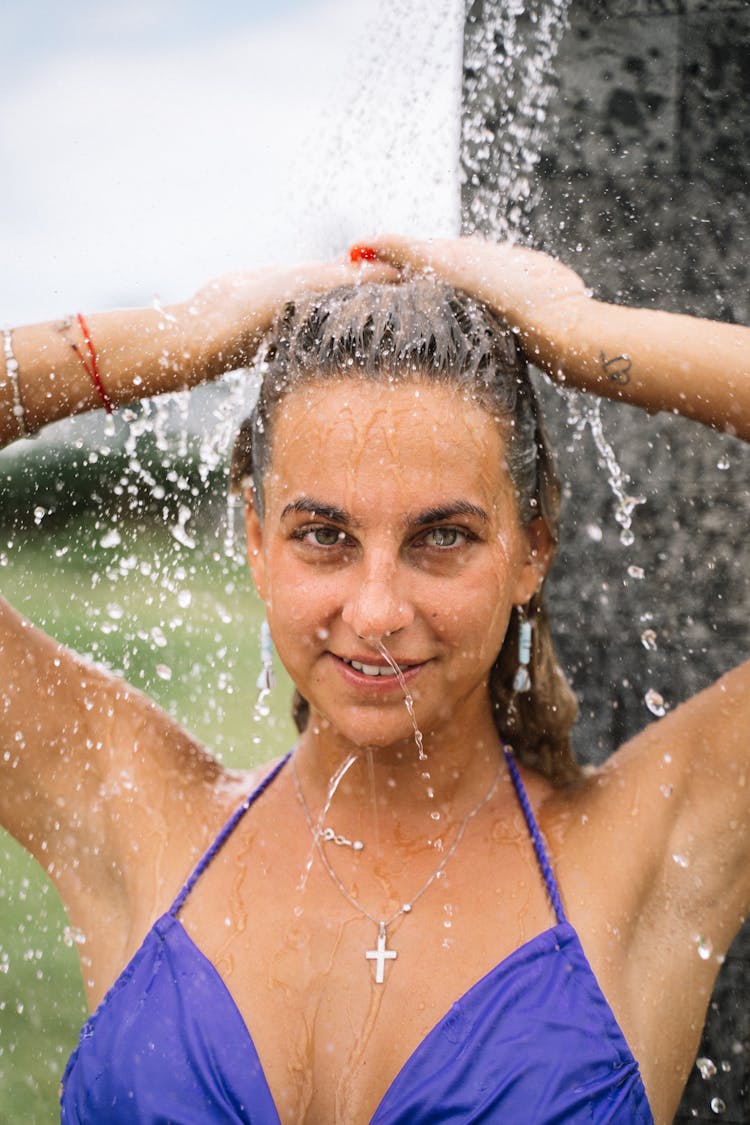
[[398, 251]]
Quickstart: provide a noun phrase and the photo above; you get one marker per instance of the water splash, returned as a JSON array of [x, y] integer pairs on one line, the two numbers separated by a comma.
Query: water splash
[[655, 703], [585, 413], [706, 1068], [649, 640], [317, 826], [333, 785], [509, 51], [408, 698], [509, 55]]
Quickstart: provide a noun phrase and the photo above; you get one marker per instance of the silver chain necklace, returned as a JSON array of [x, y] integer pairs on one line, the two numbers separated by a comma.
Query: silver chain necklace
[[329, 836], [382, 954]]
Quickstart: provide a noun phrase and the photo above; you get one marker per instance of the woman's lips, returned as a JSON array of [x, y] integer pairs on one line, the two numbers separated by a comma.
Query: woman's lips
[[373, 673]]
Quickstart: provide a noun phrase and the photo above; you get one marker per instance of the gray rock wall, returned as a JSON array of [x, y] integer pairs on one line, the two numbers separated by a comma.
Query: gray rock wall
[[642, 185]]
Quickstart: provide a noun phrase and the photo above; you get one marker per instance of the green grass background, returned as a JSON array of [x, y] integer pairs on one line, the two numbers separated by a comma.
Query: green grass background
[[142, 605]]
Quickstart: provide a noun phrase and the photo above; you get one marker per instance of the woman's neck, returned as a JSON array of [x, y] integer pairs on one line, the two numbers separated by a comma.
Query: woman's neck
[[394, 792]]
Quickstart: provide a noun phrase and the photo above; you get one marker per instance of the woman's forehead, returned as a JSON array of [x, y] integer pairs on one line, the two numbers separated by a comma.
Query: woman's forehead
[[357, 409], [360, 438]]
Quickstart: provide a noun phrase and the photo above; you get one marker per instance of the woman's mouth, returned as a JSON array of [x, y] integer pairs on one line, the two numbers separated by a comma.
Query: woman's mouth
[[379, 671], [376, 669]]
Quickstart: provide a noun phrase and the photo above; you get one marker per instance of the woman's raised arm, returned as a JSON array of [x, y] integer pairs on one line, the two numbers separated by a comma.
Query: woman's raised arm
[[656, 360], [88, 765], [698, 756], [51, 370]]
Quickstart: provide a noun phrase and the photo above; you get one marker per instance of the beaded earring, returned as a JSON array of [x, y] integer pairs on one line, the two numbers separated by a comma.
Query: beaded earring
[[522, 679], [266, 678]]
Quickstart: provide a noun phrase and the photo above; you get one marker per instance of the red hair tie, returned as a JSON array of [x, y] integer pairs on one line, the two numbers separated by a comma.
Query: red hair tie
[[92, 363], [361, 253]]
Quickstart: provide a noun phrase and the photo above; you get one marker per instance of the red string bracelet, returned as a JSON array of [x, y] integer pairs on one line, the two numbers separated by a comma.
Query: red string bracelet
[[361, 253], [92, 364]]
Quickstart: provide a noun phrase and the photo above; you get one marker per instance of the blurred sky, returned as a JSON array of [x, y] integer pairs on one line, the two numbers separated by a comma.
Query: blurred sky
[[147, 146]]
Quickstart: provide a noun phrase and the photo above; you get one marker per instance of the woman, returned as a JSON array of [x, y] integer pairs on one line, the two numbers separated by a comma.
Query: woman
[[389, 928]]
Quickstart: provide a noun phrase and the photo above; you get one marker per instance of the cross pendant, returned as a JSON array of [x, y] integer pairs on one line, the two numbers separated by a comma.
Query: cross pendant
[[381, 955]]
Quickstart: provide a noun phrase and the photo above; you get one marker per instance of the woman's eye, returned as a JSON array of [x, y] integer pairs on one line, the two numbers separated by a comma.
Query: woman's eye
[[444, 537], [324, 536]]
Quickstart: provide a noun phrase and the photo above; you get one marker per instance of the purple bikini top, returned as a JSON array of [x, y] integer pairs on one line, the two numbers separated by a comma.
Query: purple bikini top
[[534, 1041]]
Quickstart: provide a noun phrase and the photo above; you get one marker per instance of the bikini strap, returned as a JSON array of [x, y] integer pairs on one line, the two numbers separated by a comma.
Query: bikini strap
[[225, 833], [536, 837]]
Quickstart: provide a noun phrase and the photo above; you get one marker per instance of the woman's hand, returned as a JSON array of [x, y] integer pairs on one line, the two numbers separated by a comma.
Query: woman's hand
[[522, 285], [227, 317], [656, 360], [145, 352]]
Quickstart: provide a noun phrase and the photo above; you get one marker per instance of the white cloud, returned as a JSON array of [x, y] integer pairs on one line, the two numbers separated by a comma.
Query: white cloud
[[128, 173]]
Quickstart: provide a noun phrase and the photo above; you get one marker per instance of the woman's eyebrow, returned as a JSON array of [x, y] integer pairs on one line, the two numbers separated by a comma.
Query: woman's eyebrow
[[449, 511], [437, 514], [319, 508]]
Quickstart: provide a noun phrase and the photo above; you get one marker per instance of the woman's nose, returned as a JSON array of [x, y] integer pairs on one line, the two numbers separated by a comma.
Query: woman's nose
[[375, 607]]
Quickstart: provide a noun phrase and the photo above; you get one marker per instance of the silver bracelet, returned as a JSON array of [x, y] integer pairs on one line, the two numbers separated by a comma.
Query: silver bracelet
[[11, 370]]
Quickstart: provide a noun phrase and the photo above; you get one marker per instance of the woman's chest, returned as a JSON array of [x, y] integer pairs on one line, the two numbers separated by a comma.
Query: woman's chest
[[338, 999]]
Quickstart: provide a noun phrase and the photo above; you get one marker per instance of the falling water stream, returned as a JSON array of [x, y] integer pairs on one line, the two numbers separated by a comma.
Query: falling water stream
[[509, 83], [320, 831], [408, 700], [319, 826]]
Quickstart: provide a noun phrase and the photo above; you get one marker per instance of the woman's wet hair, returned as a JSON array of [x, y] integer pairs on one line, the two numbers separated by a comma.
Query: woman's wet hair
[[422, 330]]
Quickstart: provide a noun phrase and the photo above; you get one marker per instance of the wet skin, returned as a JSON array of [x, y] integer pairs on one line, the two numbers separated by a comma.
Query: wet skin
[[439, 587], [389, 514], [347, 554]]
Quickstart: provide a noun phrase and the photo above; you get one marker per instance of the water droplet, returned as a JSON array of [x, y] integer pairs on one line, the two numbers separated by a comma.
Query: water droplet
[[627, 538], [636, 571], [178, 530], [680, 860], [648, 640], [718, 1105], [158, 637], [111, 539], [707, 1067], [594, 532], [164, 672], [705, 948], [655, 703], [723, 463]]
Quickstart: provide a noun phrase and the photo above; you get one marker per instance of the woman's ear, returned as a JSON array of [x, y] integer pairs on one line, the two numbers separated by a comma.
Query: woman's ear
[[541, 551], [254, 540]]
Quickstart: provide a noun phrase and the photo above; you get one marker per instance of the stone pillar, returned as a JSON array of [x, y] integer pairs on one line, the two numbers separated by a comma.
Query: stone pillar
[[639, 180]]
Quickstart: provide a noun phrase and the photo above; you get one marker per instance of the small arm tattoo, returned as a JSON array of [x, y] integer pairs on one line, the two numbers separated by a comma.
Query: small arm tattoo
[[617, 368]]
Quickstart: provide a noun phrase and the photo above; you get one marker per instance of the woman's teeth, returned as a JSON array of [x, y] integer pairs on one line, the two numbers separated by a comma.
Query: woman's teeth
[[374, 669]]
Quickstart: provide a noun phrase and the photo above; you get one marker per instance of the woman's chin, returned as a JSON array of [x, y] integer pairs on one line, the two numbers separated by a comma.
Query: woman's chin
[[369, 732]]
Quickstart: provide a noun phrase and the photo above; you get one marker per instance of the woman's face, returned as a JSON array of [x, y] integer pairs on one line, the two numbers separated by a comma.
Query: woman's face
[[389, 514]]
